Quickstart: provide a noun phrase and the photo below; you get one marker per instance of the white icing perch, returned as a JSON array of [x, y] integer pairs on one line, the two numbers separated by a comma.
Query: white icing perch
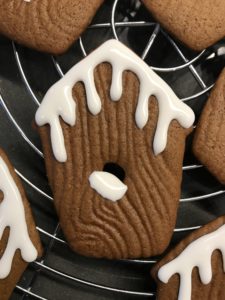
[[58, 101], [12, 215], [197, 254], [107, 185]]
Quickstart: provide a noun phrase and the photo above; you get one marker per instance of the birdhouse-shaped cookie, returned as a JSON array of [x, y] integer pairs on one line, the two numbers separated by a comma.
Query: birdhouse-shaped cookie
[[113, 135]]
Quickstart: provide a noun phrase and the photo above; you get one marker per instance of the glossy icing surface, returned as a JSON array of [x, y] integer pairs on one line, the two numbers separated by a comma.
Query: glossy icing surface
[[59, 102], [12, 215], [197, 254], [107, 185]]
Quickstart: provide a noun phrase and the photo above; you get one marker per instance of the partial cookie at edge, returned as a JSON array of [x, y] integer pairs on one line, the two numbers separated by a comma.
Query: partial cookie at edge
[[198, 24], [213, 290], [209, 138], [8, 284], [50, 26]]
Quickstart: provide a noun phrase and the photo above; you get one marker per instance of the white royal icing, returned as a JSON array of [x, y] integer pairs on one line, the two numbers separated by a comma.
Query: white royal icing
[[12, 215], [107, 185], [197, 254], [59, 101]]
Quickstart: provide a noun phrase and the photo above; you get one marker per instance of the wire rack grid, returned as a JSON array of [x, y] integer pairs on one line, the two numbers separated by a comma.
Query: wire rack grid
[[191, 75]]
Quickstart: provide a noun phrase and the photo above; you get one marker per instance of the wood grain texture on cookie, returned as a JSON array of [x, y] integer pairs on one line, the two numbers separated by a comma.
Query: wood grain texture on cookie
[[209, 138], [198, 24], [141, 223], [8, 284], [46, 25], [199, 291]]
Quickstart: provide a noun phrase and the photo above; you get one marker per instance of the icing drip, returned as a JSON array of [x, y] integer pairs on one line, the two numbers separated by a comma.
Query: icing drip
[[12, 215], [59, 101], [197, 254], [107, 185]]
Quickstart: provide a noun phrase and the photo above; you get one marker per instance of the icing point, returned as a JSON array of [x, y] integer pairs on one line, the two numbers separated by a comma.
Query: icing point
[[58, 101]]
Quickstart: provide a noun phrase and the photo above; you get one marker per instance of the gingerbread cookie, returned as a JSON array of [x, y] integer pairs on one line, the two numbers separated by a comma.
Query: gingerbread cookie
[[194, 269], [114, 158], [198, 24], [19, 240], [50, 26], [209, 139]]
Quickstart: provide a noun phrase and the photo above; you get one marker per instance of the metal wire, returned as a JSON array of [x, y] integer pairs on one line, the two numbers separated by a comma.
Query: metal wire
[[23, 75], [186, 64]]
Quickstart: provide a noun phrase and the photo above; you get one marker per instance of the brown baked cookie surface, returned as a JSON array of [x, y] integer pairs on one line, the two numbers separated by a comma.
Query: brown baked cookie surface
[[194, 268], [95, 221], [209, 138], [46, 25], [198, 24], [17, 229]]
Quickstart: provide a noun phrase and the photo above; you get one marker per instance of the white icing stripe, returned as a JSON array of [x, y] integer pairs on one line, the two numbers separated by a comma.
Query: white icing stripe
[[107, 185], [197, 254], [59, 101], [12, 215]]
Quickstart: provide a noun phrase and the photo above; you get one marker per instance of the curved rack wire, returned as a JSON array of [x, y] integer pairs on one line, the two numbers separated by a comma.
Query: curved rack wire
[[187, 64]]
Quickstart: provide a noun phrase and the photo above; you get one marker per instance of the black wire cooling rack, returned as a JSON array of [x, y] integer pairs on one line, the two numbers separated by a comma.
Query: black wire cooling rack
[[25, 76]]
